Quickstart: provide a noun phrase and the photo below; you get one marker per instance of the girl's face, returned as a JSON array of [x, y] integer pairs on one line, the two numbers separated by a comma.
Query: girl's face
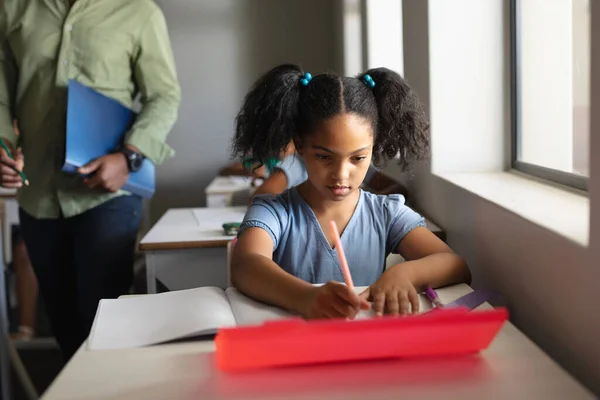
[[338, 155]]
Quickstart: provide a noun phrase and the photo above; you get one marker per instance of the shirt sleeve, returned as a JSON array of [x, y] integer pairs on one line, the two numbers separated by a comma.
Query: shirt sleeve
[[155, 75], [294, 170], [268, 213], [401, 219], [8, 77]]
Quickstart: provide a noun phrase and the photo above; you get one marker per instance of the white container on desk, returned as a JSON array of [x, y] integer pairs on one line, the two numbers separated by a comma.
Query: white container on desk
[[220, 191], [187, 247]]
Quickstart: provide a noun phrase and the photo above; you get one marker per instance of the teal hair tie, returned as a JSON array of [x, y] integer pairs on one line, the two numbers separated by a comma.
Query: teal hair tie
[[369, 81], [306, 79], [247, 163], [270, 163]]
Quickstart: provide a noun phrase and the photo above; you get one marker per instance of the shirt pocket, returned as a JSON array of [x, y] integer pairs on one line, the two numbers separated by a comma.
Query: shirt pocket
[[104, 57]]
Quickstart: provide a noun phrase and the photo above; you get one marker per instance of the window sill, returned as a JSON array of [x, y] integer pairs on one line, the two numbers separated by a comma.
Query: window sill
[[558, 209]]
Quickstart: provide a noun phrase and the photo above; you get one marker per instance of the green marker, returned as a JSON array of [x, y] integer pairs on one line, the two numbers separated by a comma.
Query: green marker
[[25, 180]]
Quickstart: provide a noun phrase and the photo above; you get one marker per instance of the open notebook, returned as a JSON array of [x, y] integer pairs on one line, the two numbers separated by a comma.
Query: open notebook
[[138, 321]]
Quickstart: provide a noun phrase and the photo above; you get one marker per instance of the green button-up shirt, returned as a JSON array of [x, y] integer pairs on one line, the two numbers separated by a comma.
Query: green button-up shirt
[[118, 47]]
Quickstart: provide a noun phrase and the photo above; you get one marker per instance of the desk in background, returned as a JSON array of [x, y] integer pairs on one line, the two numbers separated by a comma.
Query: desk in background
[[512, 368], [187, 247], [220, 192]]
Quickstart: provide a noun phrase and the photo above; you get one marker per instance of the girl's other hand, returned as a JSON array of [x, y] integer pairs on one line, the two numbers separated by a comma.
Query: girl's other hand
[[393, 293]]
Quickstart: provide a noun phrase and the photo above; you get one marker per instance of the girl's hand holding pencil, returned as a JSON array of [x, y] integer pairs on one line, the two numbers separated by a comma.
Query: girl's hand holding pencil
[[11, 170], [334, 300]]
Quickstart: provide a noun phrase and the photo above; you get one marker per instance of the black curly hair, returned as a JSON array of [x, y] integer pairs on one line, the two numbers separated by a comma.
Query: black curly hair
[[279, 109]]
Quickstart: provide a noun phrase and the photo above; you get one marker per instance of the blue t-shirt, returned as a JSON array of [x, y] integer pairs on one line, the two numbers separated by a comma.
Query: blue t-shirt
[[295, 171], [300, 247]]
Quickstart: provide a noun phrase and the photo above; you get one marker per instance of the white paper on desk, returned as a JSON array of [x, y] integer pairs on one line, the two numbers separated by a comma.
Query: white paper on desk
[[213, 219], [249, 312], [151, 319], [145, 320]]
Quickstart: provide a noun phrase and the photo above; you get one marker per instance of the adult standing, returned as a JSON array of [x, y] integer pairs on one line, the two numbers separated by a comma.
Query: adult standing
[[81, 233]]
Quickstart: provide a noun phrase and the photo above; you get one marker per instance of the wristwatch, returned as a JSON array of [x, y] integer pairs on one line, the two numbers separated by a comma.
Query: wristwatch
[[134, 159]]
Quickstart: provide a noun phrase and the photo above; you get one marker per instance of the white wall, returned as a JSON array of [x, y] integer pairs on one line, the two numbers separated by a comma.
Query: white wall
[[221, 47], [550, 283]]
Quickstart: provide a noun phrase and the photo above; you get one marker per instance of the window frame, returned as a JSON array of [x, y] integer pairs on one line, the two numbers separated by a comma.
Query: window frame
[[560, 177]]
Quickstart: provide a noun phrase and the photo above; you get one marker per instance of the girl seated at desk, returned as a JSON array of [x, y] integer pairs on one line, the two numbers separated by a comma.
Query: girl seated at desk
[[338, 125]]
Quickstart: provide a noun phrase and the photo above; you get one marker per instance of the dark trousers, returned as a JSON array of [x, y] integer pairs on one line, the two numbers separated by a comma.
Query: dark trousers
[[80, 260]]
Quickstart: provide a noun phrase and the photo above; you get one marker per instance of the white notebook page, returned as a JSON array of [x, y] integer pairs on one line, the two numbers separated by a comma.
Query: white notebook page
[[250, 312], [145, 320]]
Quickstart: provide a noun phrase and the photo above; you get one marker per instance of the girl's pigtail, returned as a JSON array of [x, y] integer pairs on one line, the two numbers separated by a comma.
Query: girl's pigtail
[[402, 126], [268, 119]]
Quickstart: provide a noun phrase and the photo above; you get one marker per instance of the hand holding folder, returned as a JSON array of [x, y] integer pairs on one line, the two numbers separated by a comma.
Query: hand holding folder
[[96, 126], [109, 172]]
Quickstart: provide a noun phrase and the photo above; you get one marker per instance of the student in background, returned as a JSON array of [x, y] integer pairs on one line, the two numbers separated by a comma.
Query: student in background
[[338, 126], [238, 169], [249, 168], [81, 229], [26, 285]]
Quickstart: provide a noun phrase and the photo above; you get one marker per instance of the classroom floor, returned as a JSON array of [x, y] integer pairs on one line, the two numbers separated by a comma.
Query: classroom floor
[[42, 360], [40, 356]]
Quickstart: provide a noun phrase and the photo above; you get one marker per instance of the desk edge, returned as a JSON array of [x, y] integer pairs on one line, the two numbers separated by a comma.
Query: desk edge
[[204, 244]]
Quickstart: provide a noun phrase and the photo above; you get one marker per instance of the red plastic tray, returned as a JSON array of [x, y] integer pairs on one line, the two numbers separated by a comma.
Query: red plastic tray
[[295, 341]]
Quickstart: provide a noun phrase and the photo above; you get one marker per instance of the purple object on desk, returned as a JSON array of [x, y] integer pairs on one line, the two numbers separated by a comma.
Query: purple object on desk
[[433, 297], [473, 299]]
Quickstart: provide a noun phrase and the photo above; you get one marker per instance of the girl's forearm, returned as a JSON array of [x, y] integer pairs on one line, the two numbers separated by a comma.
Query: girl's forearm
[[262, 279], [437, 270]]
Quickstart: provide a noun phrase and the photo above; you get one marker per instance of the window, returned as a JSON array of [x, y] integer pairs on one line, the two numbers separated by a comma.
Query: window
[[550, 68]]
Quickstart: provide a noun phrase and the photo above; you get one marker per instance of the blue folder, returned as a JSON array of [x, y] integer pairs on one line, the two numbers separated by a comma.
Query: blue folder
[[96, 125]]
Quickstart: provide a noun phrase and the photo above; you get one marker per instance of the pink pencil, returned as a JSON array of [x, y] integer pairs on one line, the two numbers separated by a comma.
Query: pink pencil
[[341, 255]]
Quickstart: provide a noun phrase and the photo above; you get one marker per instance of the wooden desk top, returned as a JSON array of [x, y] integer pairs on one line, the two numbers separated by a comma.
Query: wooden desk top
[[191, 228], [511, 368]]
